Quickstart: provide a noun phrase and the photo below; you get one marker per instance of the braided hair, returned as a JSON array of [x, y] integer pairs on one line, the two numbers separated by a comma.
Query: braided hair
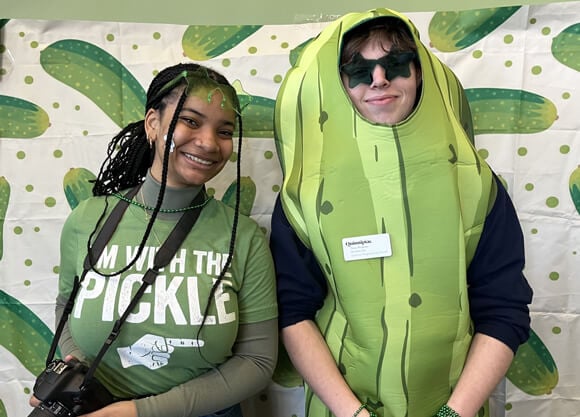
[[129, 155]]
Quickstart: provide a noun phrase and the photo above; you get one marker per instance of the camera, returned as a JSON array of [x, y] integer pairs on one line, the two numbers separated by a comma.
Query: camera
[[62, 390]]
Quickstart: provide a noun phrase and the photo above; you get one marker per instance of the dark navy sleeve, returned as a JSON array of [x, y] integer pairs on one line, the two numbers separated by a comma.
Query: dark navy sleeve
[[499, 293], [300, 283]]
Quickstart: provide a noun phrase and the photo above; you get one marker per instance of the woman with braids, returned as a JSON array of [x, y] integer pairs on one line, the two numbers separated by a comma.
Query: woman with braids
[[203, 335]]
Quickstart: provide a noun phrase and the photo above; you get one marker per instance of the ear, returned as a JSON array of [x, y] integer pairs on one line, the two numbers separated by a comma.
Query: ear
[[152, 122]]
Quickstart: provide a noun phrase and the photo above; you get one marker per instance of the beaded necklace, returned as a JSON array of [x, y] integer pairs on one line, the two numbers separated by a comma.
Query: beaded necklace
[[146, 207]]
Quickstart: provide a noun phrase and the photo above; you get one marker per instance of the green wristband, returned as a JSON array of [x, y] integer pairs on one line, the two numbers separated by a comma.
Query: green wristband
[[446, 411], [362, 407]]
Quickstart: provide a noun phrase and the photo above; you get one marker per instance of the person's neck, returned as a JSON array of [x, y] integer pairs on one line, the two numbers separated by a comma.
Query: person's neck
[[173, 199]]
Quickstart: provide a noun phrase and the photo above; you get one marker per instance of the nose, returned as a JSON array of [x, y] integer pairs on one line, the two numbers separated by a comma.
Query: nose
[[207, 139], [379, 77]]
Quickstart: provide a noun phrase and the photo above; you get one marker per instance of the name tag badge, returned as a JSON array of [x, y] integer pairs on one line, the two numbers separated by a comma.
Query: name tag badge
[[366, 247]]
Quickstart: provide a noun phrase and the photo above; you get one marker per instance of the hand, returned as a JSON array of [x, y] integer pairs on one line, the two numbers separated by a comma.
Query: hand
[[153, 351], [119, 409], [35, 402]]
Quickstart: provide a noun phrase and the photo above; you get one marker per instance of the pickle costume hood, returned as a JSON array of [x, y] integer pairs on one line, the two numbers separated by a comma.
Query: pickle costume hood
[[398, 326]]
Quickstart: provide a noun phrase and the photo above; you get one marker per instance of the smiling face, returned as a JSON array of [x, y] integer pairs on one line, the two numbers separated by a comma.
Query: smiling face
[[203, 139], [383, 99]]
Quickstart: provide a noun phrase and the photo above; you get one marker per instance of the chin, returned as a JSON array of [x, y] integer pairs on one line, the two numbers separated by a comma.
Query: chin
[[383, 121]]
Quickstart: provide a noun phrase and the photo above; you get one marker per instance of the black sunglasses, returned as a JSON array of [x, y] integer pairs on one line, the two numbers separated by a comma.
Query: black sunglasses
[[360, 70]]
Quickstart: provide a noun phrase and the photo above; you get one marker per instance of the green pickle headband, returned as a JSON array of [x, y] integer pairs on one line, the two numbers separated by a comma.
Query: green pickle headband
[[398, 326], [200, 83]]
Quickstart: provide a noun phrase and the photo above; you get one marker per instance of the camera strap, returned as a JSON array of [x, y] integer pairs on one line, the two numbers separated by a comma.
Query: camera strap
[[100, 242], [162, 258]]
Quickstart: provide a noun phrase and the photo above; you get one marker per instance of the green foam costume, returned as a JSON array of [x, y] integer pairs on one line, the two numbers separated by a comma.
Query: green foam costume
[[398, 326]]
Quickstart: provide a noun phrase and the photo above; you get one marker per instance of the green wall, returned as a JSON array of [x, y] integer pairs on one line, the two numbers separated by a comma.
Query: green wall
[[226, 11]]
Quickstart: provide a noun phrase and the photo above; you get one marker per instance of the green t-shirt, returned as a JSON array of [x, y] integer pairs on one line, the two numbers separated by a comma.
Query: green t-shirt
[[160, 345]]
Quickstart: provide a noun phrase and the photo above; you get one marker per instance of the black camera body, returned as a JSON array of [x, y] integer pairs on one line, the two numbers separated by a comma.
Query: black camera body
[[62, 392]]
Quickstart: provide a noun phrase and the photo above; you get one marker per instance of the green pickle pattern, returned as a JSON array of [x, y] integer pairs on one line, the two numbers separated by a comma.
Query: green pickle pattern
[[565, 47], [4, 201], [533, 369], [203, 42], [98, 75], [257, 113], [574, 187], [451, 31], [77, 185], [24, 334], [503, 110], [21, 119], [258, 116], [247, 195]]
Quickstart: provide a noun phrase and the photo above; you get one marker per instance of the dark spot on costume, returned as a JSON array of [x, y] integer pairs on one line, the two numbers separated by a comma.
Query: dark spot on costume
[[326, 207], [322, 119], [453, 158], [415, 300]]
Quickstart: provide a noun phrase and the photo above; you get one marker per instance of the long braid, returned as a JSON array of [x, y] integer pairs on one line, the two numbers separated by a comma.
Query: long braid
[[234, 230], [166, 153], [128, 159]]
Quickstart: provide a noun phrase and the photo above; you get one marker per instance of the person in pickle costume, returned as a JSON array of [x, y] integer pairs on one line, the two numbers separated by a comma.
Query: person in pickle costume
[[398, 252], [204, 335]]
